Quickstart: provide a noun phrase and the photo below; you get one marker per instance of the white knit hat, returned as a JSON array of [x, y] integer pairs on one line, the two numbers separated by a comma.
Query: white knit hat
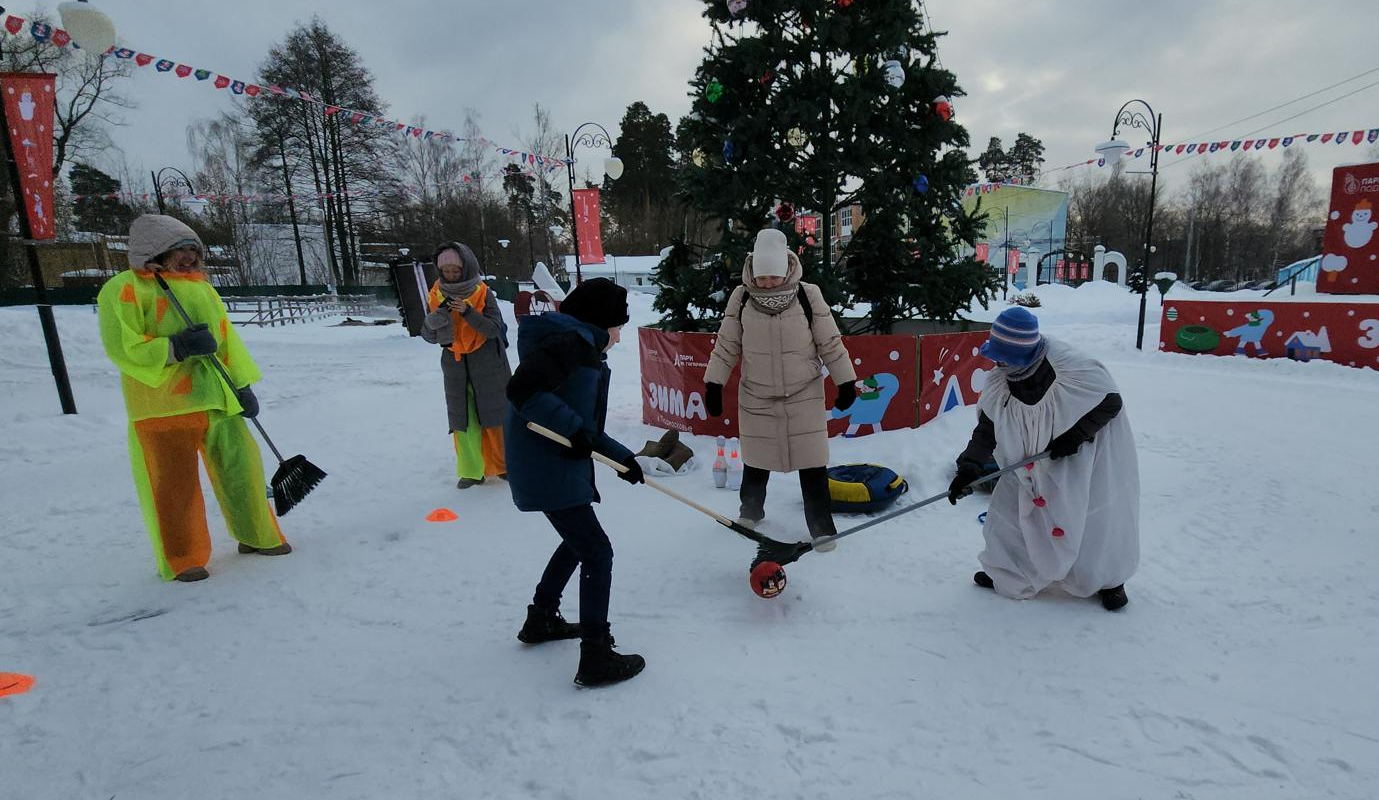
[[771, 254]]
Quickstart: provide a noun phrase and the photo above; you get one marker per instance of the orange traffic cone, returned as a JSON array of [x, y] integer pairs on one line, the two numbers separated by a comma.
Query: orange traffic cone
[[441, 515]]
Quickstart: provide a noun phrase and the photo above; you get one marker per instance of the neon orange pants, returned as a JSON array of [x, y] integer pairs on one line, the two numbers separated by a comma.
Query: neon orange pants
[[163, 453]]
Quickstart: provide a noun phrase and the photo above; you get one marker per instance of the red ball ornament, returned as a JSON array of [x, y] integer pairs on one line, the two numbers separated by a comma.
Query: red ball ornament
[[767, 78], [844, 3], [1058, 533], [1040, 502], [785, 212], [768, 579], [943, 107]]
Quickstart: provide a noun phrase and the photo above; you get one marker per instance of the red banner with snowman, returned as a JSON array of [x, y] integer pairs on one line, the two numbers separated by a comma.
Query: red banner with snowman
[[952, 373], [1350, 250], [28, 98], [1346, 333], [673, 367]]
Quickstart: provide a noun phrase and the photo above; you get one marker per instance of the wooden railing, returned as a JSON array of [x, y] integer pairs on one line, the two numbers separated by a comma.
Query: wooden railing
[[274, 311]]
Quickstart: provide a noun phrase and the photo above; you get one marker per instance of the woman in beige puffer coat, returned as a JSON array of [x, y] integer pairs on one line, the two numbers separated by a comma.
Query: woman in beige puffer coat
[[781, 329]]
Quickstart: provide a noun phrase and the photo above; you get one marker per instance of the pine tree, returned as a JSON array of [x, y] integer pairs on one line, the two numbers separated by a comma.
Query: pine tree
[[640, 202], [797, 102], [693, 289], [97, 211], [994, 162]]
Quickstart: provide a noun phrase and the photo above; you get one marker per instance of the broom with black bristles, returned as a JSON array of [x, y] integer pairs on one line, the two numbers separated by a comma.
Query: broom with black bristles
[[296, 476]]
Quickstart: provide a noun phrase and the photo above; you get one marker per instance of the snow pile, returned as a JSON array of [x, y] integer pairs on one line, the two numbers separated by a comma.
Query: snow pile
[[379, 660]]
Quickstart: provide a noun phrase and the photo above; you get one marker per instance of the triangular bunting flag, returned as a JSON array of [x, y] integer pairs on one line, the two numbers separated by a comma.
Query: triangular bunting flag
[[1138, 153], [278, 90], [237, 87], [399, 126], [332, 110], [41, 31], [1357, 137], [1222, 145], [202, 74], [182, 70], [1235, 146], [306, 96], [1326, 137], [1214, 147], [1373, 135], [1202, 148], [164, 65], [1287, 141], [1179, 149], [1342, 136], [1259, 144], [1273, 143], [221, 81], [356, 118], [143, 59], [416, 132], [1249, 143], [123, 52], [293, 93], [61, 38], [252, 90], [1312, 137]]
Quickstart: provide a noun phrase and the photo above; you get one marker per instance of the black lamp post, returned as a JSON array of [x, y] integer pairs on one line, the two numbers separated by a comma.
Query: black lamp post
[[1112, 151], [158, 185], [612, 167]]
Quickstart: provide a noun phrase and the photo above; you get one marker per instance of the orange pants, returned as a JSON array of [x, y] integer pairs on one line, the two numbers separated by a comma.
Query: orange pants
[[163, 453]]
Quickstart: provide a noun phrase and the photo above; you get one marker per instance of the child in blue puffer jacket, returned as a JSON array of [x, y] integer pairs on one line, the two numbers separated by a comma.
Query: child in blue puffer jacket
[[562, 384]]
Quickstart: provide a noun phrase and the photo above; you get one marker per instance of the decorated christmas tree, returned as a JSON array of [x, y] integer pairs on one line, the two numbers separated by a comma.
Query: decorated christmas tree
[[820, 105]]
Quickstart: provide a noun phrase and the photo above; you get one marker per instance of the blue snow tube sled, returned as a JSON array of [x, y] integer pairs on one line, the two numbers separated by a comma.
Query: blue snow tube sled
[[864, 488]]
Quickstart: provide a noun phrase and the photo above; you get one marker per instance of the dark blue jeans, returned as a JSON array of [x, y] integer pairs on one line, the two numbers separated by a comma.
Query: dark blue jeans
[[583, 545]]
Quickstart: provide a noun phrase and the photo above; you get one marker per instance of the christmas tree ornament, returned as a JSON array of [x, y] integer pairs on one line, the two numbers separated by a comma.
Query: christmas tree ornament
[[921, 184], [713, 92], [785, 211], [895, 73], [729, 152], [736, 7], [943, 107], [795, 137], [767, 78], [844, 3], [698, 157]]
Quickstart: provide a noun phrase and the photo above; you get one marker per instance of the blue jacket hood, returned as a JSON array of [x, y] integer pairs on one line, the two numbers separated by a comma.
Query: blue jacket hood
[[534, 328]]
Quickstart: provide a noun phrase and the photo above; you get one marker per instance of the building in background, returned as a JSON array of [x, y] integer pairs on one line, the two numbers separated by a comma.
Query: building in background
[[631, 272]]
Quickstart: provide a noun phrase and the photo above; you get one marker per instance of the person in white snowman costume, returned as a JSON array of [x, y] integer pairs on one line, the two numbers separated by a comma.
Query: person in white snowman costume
[[1072, 520]]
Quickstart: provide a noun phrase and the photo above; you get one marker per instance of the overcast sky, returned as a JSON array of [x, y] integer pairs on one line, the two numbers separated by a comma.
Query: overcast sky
[[1058, 70]]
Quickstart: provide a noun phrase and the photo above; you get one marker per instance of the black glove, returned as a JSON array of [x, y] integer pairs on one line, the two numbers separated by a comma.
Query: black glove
[[249, 401], [194, 341], [1066, 443], [633, 475], [847, 394], [713, 399], [581, 446], [968, 471]]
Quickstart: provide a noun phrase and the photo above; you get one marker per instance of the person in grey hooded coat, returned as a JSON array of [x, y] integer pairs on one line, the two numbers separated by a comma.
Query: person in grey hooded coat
[[466, 322]]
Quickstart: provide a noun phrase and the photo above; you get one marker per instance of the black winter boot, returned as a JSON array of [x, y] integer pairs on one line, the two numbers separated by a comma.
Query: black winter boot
[[1113, 599], [546, 626], [599, 665]]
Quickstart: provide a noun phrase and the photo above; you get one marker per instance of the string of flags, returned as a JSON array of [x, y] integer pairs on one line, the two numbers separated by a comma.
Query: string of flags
[[1355, 137], [414, 189], [44, 33]]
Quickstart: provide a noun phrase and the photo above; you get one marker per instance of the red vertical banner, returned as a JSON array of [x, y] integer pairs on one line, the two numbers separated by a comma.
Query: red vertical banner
[[1062, 269], [983, 252], [587, 226], [1350, 249], [28, 98], [1013, 262]]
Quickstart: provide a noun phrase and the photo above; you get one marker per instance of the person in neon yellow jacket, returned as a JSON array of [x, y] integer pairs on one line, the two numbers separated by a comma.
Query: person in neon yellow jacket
[[179, 406]]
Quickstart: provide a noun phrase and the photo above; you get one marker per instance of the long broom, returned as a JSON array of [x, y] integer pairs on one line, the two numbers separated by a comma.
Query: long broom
[[784, 550], [296, 476]]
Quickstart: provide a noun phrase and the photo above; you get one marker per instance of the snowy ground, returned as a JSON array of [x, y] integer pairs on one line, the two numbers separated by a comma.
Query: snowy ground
[[380, 660]]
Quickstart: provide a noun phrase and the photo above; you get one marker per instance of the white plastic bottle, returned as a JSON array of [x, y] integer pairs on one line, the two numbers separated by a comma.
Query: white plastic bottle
[[720, 466], [734, 466]]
